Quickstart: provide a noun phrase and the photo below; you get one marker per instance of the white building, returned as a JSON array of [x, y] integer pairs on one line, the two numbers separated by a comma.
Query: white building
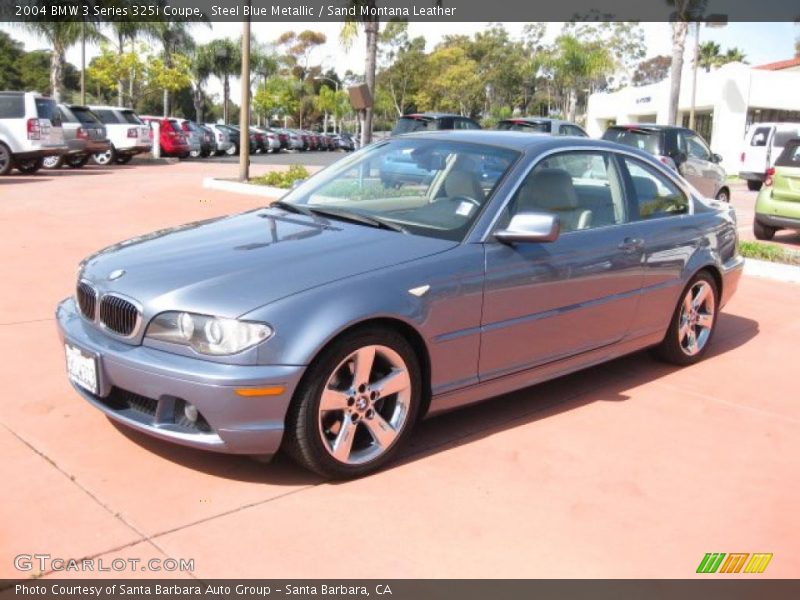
[[728, 100]]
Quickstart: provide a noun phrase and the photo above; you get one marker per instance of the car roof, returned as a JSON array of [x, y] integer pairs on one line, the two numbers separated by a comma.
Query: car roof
[[431, 115], [106, 107], [513, 140], [648, 127]]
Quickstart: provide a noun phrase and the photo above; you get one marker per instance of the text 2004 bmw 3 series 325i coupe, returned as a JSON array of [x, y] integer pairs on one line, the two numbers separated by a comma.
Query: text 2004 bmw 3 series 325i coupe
[[330, 322]]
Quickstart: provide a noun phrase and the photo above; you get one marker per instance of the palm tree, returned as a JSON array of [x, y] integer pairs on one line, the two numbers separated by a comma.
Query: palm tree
[[60, 36], [708, 55], [263, 65], [201, 70], [173, 36], [734, 55], [686, 11], [224, 61]]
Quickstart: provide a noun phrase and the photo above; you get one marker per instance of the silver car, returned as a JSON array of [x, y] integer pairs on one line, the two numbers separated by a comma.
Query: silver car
[[84, 135], [329, 323]]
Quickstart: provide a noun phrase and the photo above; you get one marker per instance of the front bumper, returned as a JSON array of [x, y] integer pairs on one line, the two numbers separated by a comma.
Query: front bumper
[[236, 424]]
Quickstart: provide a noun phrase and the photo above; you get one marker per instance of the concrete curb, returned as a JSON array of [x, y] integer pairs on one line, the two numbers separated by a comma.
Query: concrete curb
[[237, 187], [771, 270]]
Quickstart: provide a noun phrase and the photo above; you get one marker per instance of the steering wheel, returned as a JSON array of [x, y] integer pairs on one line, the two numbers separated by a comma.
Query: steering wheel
[[460, 198]]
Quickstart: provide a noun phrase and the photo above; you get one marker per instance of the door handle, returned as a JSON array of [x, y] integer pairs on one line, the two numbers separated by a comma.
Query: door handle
[[631, 244]]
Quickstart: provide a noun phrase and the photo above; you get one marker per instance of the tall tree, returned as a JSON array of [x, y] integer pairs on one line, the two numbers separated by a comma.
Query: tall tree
[[403, 62], [225, 61], [174, 38], [576, 64], [686, 11], [11, 52], [60, 36], [708, 55], [652, 70]]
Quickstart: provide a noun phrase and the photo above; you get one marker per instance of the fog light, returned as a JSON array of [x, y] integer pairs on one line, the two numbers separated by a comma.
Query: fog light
[[190, 412]]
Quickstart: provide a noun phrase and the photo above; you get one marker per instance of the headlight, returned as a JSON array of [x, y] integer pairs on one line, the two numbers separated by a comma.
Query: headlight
[[207, 335]]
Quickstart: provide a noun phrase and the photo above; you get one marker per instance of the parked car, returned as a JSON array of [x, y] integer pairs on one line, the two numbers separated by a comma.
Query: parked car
[[84, 134], [432, 121], [171, 136], [271, 141], [195, 136], [127, 133], [778, 203], [208, 145], [398, 305], [254, 145], [30, 131], [763, 143], [223, 142], [344, 141], [679, 148], [294, 141], [541, 125]]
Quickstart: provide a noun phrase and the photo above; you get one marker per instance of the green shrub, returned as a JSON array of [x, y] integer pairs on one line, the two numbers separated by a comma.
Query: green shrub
[[769, 252], [282, 179]]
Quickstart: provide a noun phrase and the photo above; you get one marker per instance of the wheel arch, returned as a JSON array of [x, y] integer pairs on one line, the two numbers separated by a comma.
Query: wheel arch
[[727, 191]]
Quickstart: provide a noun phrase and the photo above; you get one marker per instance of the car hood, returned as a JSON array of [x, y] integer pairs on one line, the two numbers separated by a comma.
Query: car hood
[[233, 265]]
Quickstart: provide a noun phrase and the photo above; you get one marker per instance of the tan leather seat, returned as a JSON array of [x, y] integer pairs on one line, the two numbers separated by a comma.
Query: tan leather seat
[[460, 182], [551, 190]]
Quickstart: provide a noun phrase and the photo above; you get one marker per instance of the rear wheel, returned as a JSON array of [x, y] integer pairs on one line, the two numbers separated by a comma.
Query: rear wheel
[[53, 162], [5, 160], [30, 165], [232, 151], [693, 322], [754, 185], [194, 153], [105, 158], [356, 404], [77, 162], [763, 232]]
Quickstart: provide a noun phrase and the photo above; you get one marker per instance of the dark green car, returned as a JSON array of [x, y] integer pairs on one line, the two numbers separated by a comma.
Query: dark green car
[[778, 204]]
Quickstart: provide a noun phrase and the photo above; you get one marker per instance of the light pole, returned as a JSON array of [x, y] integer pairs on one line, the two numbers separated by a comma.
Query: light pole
[[710, 21]]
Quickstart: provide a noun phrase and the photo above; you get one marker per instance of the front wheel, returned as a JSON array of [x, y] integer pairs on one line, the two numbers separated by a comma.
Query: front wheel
[[29, 166], [105, 158], [53, 162], [355, 405], [754, 185], [763, 232], [693, 322], [232, 151]]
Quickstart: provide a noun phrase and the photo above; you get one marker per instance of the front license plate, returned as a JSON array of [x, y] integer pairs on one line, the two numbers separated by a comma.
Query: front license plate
[[81, 368]]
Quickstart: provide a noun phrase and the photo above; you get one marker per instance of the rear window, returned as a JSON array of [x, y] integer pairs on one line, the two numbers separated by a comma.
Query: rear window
[[107, 116], [48, 109], [411, 124], [783, 136], [84, 115], [529, 126], [66, 115], [643, 139], [129, 116], [12, 106], [790, 157]]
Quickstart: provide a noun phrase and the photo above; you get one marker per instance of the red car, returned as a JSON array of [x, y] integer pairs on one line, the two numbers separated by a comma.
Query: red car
[[172, 138]]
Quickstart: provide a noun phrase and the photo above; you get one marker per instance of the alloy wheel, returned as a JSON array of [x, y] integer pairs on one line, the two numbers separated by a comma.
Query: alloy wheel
[[103, 158], [696, 318], [365, 405]]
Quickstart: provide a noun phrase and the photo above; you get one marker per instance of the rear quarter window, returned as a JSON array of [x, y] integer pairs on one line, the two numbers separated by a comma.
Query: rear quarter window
[[12, 106], [85, 116], [128, 116], [48, 109]]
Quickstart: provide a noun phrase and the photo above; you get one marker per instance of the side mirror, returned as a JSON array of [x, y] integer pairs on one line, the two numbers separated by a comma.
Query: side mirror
[[529, 228], [716, 158]]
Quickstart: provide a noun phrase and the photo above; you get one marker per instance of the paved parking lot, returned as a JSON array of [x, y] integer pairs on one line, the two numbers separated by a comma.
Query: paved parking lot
[[631, 469]]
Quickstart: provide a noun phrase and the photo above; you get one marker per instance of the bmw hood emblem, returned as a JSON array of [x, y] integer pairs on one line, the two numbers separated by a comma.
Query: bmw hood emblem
[[116, 274]]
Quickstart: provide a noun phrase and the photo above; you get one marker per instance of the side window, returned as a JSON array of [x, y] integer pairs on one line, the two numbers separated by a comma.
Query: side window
[[655, 195], [12, 106], [697, 148], [468, 124], [583, 188], [760, 136], [446, 123]]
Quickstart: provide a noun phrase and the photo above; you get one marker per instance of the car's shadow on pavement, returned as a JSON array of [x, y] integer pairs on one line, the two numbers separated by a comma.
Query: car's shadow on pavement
[[17, 179], [608, 382]]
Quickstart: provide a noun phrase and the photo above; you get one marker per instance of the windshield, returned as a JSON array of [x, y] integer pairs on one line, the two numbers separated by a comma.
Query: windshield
[[643, 139], [129, 116], [432, 188], [411, 124], [529, 126], [84, 115]]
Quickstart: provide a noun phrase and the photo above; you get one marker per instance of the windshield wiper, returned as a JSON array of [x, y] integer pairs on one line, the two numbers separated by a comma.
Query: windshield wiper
[[360, 218], [293, 208]]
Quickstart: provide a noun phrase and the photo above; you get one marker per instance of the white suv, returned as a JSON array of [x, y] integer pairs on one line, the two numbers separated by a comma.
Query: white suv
[[763, 144], [127, 133], [30, 130]]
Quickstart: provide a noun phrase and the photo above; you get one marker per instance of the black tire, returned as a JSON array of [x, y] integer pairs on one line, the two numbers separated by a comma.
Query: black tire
[[6, 161], [124, 159], [77, 162], [104, 159], [671, 349], [303, 439], [754, 185], [763, 232], [55, 162], [30, 165], [724, 195]]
